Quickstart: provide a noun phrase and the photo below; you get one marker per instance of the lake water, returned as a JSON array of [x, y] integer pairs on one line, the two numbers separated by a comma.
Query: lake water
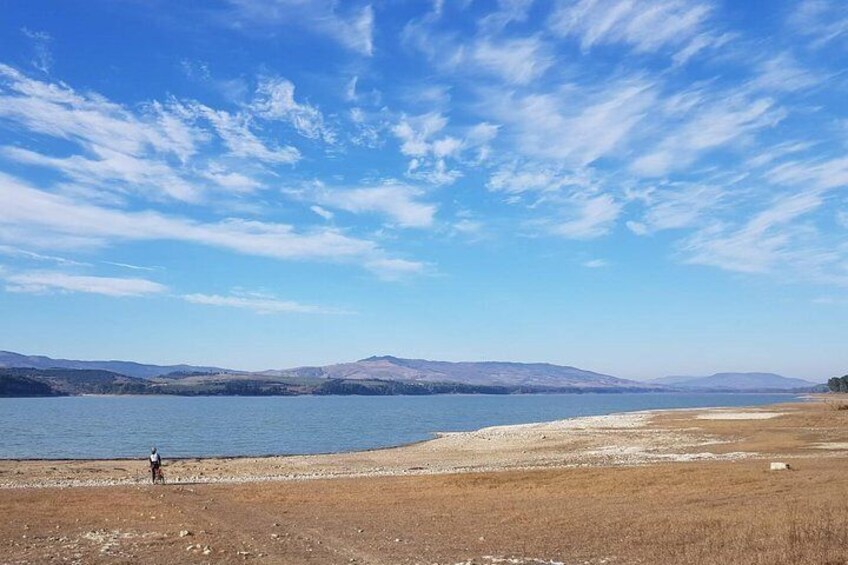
[[127, 426]]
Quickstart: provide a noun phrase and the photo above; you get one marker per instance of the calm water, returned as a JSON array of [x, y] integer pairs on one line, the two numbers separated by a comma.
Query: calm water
[[126, 426]]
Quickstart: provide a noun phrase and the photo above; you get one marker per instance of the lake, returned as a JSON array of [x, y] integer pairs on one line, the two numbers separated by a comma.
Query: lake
[[97, 427]]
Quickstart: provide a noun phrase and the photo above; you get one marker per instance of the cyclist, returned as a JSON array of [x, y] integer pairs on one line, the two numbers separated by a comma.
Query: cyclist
[[155, 463]]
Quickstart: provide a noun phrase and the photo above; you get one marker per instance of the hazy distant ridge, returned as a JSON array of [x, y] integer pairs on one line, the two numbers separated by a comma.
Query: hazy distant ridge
[[128, 368], [736, 381], [380, 370]]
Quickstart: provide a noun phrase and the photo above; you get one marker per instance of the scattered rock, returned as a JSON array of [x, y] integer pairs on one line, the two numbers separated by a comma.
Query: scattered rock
[[184, 533]]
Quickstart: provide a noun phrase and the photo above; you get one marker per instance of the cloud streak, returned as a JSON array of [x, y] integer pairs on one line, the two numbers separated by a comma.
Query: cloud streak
[[44, 282]]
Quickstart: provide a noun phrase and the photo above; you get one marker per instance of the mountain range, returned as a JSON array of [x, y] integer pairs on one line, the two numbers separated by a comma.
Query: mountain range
[[736, 382], [127, 368], [374, 375], [470, 373]]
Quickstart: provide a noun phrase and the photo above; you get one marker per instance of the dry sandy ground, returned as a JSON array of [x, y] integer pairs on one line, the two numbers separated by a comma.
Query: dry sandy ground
[[657, 487]]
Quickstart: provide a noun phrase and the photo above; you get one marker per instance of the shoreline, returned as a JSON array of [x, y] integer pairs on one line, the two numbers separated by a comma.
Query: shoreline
[[434, 435], [634, 438], [673, 486]]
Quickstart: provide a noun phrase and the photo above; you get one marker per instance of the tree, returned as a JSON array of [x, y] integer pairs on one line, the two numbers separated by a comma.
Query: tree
[[838, 384]]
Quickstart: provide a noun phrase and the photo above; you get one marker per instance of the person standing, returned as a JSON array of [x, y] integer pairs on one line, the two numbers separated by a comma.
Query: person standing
[[155, 464]]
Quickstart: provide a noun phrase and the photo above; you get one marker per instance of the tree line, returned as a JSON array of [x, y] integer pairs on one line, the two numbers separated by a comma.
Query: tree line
[[838, 384]]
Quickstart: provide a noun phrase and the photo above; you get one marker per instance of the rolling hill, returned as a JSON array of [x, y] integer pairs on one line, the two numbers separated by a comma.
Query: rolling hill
[[470, 373], [127, 368], [374, 375]]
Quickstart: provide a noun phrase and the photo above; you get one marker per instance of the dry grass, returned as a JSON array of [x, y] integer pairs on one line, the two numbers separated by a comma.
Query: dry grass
[[692, 513], [711, 513], [794, 533]]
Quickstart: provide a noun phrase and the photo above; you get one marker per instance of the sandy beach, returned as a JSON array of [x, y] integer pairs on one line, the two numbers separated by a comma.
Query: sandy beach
[[683, 486]]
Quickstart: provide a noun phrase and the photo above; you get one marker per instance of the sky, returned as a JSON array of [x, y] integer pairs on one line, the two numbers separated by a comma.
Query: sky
[[636, 188]]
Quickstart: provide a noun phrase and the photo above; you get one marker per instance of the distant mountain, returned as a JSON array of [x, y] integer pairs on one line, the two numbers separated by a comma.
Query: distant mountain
[[736, 382], [62, 382], [485, 373], [127, 368]]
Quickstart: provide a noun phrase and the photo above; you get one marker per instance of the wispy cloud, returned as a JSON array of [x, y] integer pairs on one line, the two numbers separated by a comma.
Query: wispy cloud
[[518, 61], [11, 251], [676, 207], [432, 153], [41, 40], [42, 282], [824, 21], [678, 26], [259, 303], [54, 221], [708, 121], [354, 29], [599, 122], [397, 201], [588, 217], [234, 130], [769, 240], [275, 100]]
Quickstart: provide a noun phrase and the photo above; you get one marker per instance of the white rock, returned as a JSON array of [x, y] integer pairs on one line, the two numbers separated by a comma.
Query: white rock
[[779, 466]]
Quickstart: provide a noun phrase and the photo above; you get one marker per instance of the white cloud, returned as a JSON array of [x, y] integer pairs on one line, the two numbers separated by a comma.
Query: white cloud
[[414, 132], [574, 125], [676, 207], [538, 177], [589, 217], [257, 302], [508, 11], [43, 59], [113, 171], [12, 251], [235, 131], [275, 101], [716, 123], [40, 282], [354, 30], [595, 264], [154, 152], [824, 21], [49, 220], [679, 26], [429, 155], [397, 201], [131, 266], [783, 73], [518, 61], [326, 214], [58, 111], [821, 175], [230, 180], [769, 240]]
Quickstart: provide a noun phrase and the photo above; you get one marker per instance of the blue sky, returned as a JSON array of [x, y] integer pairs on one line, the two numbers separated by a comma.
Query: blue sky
[[638, 188]]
